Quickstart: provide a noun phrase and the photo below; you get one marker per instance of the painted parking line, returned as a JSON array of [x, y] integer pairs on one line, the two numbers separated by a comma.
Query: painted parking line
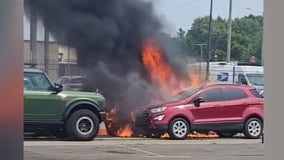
[[149, 153], [152, 154]]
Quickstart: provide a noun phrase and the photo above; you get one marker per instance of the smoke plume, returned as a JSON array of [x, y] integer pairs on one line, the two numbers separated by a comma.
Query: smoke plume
[[108, 36]]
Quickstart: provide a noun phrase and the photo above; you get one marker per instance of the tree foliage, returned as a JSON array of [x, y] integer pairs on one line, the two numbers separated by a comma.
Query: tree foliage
[[246, 39]]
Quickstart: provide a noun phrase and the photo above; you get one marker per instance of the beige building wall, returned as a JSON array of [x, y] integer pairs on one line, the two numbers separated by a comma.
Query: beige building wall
[[54, 51], [54, 67]]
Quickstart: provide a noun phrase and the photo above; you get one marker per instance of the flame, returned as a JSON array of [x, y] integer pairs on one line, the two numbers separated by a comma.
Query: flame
[[125, 131], [111, 122], [195, 135], [111, 117], [153, 59], [160, 71], [162, 74]]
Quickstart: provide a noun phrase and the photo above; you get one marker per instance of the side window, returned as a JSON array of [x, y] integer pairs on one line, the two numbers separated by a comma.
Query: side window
[[233, 94], [36, 82], [242, 79], [212, 95]]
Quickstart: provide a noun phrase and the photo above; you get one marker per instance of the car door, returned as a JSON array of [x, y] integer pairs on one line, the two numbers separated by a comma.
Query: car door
[[235, 103], [208, 112], [40, 102]]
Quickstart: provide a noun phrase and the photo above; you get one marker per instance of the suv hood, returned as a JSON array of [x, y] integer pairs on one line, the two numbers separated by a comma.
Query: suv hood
[[81, 94], [166, 104]]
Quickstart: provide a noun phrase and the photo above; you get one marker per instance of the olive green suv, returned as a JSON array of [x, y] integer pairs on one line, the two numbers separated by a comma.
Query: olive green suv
[[64, 114]]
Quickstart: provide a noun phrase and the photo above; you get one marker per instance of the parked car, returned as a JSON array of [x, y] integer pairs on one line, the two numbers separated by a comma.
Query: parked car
[[223, 108], [65, 114]]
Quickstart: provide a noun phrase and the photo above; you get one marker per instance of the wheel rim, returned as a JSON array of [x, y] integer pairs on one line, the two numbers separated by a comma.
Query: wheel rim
[[254, 128], [84, 125], [180, 128]]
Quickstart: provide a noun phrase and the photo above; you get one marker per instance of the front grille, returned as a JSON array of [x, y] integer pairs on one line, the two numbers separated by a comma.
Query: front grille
[[142, 118]]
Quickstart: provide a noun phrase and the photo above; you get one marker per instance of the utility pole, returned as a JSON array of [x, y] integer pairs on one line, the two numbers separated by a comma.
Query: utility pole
[[209, 42], [229, 32]]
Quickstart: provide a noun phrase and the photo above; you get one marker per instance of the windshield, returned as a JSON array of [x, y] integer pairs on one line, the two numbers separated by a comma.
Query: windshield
[[183, 95], [255, 79]]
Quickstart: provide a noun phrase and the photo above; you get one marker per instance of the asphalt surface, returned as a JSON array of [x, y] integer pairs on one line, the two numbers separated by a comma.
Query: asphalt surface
[[144, 148]]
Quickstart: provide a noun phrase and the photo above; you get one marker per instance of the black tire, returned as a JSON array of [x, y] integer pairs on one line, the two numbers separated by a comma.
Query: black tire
[[89, 125], [179, 129], [253, 128]]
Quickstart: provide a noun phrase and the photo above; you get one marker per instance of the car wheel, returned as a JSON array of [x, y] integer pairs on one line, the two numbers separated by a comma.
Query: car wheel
[[253, 128], [83, 125], [178, 129]]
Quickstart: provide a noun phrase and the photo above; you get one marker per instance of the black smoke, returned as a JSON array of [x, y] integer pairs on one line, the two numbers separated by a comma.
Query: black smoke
[[108, 36]]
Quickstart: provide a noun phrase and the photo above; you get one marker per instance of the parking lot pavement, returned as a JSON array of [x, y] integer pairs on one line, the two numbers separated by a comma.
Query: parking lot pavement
[[141, 149]]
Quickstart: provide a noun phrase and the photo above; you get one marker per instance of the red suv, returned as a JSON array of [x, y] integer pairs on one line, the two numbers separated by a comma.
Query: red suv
[[222, 108]]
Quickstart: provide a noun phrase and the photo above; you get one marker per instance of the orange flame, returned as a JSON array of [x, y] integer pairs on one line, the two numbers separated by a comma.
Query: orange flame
[[161, 72], [125, 132], [112, 123], [195, 135], [154, 61], [111, 118]]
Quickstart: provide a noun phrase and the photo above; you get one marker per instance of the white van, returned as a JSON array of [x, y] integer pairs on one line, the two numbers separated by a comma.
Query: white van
[[233, 73]]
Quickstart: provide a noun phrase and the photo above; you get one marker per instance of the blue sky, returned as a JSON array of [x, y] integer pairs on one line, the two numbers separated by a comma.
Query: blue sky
[[181, 13]]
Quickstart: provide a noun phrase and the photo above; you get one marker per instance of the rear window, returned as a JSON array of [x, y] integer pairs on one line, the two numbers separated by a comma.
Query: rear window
[[256, 93], [233, 94]]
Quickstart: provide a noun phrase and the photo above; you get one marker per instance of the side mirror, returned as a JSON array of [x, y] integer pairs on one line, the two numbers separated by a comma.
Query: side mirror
[[58, 87], [197, 101]]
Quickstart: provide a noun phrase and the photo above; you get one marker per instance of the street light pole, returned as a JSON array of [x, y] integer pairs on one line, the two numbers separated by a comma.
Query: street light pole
[[229, 32], [209, 42]]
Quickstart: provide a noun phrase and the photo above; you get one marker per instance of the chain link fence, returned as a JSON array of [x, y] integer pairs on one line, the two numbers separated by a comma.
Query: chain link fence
[[55, 69]]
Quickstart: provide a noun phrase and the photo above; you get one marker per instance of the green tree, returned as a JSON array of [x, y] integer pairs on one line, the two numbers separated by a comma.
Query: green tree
[[246, 37]]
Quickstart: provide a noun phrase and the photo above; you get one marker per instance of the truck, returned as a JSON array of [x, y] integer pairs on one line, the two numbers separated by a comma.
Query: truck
[[235, 73]]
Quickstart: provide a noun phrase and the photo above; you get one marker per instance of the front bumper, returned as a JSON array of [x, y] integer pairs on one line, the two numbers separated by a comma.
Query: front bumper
[[102, 115], [145, 122]]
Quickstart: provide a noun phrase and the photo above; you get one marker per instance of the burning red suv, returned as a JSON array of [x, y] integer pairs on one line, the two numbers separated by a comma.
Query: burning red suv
[[222, 108]]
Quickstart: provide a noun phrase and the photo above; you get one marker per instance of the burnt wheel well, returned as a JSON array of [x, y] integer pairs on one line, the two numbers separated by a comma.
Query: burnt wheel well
[[84, 106]]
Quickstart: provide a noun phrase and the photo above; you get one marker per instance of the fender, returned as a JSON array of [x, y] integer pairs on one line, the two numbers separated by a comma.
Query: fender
[[256, 110], [181, 113], [74, 104]]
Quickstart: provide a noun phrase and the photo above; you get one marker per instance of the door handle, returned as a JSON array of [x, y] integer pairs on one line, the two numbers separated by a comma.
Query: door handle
[[218, 106]]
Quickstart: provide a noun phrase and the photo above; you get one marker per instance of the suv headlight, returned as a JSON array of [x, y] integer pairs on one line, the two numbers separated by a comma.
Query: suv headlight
[[158, 109]]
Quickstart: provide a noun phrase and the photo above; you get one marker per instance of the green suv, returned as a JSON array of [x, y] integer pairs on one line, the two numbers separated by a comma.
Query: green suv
[[64, 114]]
